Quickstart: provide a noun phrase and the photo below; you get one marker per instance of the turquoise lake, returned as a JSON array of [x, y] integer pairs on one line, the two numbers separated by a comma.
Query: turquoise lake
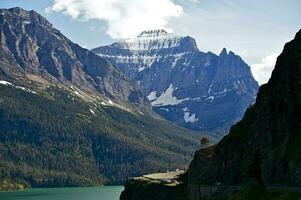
[[79, 193]]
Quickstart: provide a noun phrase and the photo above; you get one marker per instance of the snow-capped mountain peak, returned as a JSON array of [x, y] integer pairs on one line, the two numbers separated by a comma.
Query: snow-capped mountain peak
[[151, 40], [172, 72]]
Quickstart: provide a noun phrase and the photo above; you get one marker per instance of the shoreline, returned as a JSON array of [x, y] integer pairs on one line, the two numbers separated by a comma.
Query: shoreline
[[56, 187]]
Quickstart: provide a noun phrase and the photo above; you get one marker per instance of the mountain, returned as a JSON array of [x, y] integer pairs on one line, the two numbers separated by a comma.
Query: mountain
[[31, 46], [270, 131], [196, 90], [265, 147], [70, 118]]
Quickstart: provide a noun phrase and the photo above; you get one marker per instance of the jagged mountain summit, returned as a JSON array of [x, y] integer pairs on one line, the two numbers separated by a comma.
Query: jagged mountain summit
[[197, 90]]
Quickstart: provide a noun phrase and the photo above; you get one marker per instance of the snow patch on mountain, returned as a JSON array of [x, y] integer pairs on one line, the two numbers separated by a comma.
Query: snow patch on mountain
[[210, 98], [135, 59], [185, 109], [152, 96], [150, 40], [164, 109], [5, 83], [210, 87], [18, 87], [92, 111], [207, 63], [167, 98], [141, 69], [189, 118], [146, 44]]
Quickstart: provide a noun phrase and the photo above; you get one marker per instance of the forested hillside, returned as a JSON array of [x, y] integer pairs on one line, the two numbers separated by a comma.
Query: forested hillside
[[55, 138]]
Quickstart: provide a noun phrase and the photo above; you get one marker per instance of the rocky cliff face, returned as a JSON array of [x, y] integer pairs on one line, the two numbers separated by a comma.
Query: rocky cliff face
[[197, 90], [31, 45], [270, 131]]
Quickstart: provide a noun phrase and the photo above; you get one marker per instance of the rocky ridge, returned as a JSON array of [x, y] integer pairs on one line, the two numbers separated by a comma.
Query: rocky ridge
[[31, 47]]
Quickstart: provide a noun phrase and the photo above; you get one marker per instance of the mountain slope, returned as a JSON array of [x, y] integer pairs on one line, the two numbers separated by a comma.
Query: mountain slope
[[67, 116], [31, 45], [270, 131], [54, 138], [200, 91]]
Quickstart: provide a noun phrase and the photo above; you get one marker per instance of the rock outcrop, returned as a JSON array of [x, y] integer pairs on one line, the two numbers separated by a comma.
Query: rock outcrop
[[161, 186]]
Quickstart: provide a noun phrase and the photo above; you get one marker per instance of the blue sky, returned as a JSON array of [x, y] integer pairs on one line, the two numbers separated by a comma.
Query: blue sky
[[254, 29]]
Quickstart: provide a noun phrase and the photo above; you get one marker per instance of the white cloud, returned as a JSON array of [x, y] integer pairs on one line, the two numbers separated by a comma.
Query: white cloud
[[262, 71], [124, 18]]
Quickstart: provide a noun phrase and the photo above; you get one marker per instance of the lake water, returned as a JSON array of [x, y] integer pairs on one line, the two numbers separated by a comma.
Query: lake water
[[80, 193]]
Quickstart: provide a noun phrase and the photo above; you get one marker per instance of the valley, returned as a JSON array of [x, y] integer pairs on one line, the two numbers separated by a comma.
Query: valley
[[69, 118]]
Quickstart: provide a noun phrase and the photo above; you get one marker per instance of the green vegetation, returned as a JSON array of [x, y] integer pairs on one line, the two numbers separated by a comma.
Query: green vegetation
[[255, 192], [252, 193], [52, 139]]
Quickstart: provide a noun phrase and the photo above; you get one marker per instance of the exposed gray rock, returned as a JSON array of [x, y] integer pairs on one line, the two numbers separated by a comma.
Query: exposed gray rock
[[31, 45], [200, 91]]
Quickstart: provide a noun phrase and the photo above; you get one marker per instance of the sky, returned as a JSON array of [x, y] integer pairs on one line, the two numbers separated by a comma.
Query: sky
[[254, 29]]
